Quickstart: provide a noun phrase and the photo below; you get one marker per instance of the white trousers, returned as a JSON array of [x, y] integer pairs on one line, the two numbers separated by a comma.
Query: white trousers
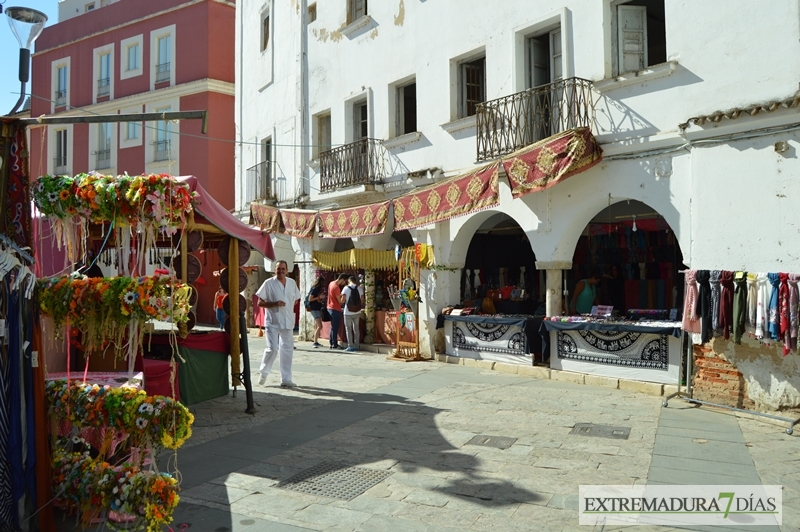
[[353, 329], [278, 341]]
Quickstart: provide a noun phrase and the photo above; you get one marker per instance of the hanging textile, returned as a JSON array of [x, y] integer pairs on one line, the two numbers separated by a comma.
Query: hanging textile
[[783, 309], [762, 305], [691, 322], [739, 305], [726, 303], [550, 161], [794, 300], [774, 312], [17, 208], [266, 217], [704, 305], [474, 191], [299, 223], [752, 299], [357, 221], [715, 294]]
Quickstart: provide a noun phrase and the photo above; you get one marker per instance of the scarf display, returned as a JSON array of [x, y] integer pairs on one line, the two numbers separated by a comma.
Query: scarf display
[[762, 305], [774, 325], [794, 301], [704, 304], [726, 303], [715, 294], [783, 310], [739, 305], [691, 323], [752, 299]]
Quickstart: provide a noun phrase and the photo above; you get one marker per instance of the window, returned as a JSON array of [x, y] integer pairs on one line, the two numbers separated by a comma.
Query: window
[[407, 109], [312, 13], [132, 130], [163, 138], [104, 81], [356, 9], [103, 152], [640, 39], [360, 121], [61, 86], [543, 57], [264, 181], [164, 54], [473, 86], [323, 134], [60, 159], [89, 7], [133, 57], [264, 32]]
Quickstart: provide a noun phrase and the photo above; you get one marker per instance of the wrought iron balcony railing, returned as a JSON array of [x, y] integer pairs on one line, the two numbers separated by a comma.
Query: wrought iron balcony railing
[[103, 159], [61, 98], [103, 87], [59, 165], [513, 122], [258, 183], [162, 72], [162, 150], [357, 163]]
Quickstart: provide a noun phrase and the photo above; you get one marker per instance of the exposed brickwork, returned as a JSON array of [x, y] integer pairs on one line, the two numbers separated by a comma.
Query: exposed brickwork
[[718, 381]]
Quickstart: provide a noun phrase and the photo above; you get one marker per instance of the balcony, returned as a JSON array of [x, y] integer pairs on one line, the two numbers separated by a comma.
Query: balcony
[[59, 165], [103, 87], [61, 98], [354, 164], [103, 159], [162, 72], [258, 183], [162, 150], [513, 122]]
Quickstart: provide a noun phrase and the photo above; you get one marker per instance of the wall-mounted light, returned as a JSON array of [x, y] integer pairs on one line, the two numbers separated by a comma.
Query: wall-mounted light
[[26, 24], [634, 223]]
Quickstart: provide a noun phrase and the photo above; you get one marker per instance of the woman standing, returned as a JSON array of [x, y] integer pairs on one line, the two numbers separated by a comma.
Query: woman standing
[[316, 297], [585, 295], [219, 297]]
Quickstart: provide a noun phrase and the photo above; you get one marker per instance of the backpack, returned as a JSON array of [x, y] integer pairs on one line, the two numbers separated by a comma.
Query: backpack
[[306, 302], [354, 300]]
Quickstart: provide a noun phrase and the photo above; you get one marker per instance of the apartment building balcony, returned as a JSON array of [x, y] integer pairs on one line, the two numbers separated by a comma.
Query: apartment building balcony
[[356, 164], [61, 98], [162, 72], [258, 183], [162, 150], [59, 165], [102, 159], [513, 122], [103, 87]]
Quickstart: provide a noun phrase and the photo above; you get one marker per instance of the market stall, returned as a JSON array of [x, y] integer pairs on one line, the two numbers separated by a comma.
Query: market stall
[[501, 338]]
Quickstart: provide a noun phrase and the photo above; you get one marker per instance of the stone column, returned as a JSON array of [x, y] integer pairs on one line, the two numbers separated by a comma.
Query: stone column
[[369, 306], [554, 297]]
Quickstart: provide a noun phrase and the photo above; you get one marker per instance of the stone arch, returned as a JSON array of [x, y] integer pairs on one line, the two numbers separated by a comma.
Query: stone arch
[[461, 235]]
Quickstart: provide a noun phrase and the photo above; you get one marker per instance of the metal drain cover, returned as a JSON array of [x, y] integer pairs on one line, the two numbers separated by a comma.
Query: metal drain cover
[[500, 442], [601, 431], [338, 481]]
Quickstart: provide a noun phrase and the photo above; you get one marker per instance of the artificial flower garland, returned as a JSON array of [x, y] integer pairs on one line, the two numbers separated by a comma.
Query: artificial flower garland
[[149, 421], [93, 486]]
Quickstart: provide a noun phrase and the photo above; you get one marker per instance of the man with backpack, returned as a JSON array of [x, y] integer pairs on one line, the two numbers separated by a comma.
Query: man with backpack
[[352, 301]]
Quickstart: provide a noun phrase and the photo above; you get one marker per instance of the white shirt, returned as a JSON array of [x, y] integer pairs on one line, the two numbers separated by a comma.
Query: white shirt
[[272, 291], [346, 293]]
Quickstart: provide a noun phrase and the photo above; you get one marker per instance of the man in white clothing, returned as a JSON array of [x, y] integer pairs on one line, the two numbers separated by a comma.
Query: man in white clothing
[[278, 295], [352, 312]]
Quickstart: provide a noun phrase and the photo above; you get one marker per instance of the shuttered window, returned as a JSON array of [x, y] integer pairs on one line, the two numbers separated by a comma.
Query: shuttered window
[[632, 38]]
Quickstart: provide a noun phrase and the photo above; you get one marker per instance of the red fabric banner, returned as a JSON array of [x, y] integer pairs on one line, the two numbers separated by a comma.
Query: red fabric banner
[[18, 199], [299, 223], [357, 221], [266, 217], [550, 161], [452, 197]]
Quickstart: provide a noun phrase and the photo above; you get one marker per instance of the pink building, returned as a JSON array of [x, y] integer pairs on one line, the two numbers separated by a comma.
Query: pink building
[[134, 56]]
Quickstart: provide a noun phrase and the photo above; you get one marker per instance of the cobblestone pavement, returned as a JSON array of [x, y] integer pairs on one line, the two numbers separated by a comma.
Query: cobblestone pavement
[[415, 421]]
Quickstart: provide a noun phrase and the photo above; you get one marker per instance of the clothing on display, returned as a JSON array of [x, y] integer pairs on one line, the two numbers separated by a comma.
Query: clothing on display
[[774, 311], [691, 321], [739, 305], [704, 308], [726, 303], [714, 280]]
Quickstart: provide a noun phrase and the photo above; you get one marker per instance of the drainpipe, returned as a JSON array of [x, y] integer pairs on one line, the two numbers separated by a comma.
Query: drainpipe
[[240, 91], [305, 150]]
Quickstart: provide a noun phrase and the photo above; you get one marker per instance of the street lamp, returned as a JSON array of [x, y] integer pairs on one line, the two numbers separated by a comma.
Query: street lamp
[[27, 24]]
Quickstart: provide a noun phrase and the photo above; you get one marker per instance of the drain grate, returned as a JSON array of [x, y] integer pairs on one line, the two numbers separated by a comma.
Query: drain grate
[[338, 481], [499, 442], [601, 431]]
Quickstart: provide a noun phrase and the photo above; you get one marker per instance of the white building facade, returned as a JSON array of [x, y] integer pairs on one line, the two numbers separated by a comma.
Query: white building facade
[[695, 107]]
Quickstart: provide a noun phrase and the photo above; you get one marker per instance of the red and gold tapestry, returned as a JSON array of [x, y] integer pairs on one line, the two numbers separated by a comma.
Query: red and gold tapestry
[[266, 217], [17, 199], [452, 197], [550, 161], [299, 223], [357, 221]]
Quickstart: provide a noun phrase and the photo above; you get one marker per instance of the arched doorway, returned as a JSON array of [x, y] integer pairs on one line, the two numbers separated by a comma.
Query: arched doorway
[[500, 264], [637, 256]]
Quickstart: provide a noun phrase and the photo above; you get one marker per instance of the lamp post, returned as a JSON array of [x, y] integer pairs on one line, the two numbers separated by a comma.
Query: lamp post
[[27, 24]]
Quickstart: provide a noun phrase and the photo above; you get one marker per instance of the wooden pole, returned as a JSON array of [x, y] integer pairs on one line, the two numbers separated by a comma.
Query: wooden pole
[[233, 298]]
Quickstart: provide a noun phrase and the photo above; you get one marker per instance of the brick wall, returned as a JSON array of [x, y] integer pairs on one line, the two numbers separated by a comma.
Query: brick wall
[[718, 381]]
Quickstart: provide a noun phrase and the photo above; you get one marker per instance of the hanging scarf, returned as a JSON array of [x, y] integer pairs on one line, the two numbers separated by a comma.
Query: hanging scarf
[[715, 294], [690, 321], [783, 308], [726, 303], [774, 324], [739, 305], [794, 300], [752, 300], [704, 305], [762, 305]]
